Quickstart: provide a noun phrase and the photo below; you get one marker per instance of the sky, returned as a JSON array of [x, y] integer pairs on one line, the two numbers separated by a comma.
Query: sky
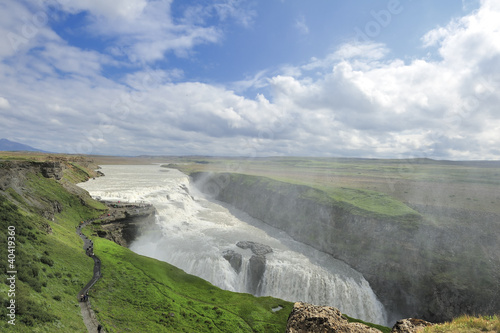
[[253, 78]]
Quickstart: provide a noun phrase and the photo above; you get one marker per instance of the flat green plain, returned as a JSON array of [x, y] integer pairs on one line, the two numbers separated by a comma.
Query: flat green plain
[[373, 184]]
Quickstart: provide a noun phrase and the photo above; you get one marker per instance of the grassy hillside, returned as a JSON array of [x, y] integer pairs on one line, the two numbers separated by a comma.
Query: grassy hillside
[[136, 293], [146, 295], [51, 266]]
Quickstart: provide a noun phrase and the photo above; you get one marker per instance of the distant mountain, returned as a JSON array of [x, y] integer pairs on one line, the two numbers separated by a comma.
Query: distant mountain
[[7, 145]]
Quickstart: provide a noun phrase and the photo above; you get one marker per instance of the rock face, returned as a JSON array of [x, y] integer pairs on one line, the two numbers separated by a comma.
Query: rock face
[[388, 251], [410, 325], [124, 222], [307, 318], [52, 170]]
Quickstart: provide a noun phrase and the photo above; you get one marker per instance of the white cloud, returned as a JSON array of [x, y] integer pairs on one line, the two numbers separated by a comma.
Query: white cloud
[[406, 108], [367, 51], [301, 25], [22, 29], [470, 39], [128, 10], [4, 103], [144, 31], [73, 60]]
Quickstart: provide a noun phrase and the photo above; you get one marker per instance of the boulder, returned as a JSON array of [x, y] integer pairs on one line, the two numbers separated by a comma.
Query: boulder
[[308, 318], [410, 325]]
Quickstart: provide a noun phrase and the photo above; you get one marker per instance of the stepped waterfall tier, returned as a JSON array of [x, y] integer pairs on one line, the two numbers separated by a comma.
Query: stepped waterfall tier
[[230, 249]]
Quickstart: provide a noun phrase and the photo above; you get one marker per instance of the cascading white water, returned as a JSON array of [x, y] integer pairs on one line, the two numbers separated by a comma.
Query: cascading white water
[[196, 233]]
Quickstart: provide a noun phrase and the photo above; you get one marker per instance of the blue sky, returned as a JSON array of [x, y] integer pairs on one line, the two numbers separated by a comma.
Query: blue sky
[[384, 78]]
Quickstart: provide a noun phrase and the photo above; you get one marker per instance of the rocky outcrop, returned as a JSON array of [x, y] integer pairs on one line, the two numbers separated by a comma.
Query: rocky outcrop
[[256, 264], [124, 222], [416, 268], [410, 325], [53, 170], [307, 318]]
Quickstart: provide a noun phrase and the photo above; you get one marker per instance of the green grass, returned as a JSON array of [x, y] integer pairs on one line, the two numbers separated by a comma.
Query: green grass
[[81, 208], [467, 324], [357, 201], [419, 181], [50, 261], [370, 201], [49, 265], [143, 294], [77, 173]]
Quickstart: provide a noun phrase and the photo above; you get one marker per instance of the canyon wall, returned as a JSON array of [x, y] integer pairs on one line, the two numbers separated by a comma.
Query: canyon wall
[[417, 267]]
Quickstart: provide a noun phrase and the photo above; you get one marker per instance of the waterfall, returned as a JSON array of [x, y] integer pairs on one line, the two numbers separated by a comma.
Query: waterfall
[[229, 248]]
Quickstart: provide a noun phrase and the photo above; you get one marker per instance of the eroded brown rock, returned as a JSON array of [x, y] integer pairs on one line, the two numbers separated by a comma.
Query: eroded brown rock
[[308, 318], [410, 325]]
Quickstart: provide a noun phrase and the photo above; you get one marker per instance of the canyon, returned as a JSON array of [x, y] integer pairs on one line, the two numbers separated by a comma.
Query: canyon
[[416, 267]]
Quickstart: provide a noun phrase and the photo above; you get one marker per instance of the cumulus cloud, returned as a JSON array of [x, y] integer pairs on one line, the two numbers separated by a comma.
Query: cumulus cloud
[[356, 101], [424, 107]]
